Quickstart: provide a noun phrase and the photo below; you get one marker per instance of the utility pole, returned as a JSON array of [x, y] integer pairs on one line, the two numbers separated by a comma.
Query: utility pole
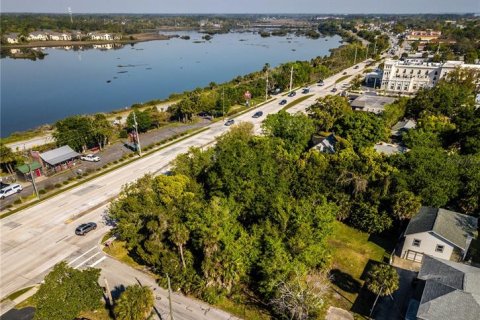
[[137, 136], [374, 303], [355, 59], [366, 54], [223, 103], [170, 298], [266, 86], [291, 79], [32, 177], [375, 48], [109, 293]]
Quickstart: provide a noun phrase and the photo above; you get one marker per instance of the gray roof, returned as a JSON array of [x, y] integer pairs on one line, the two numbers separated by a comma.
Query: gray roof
[[371, 101], [403, 126], [327, 144], [389, 148], [450, 225], [452, 290], [59, 155]]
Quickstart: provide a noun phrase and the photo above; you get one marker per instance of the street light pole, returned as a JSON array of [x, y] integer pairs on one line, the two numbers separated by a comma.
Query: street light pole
[[137, 136], [33, 180], [291, 79], [355, 59], [266, 86], [223, 103]]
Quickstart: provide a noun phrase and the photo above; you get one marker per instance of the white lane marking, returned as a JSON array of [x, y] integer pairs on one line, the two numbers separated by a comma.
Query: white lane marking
[[71, 262], [90, 258], [97, 262]]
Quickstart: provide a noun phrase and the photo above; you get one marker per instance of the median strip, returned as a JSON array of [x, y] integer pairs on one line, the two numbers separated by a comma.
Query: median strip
[[295, 102]]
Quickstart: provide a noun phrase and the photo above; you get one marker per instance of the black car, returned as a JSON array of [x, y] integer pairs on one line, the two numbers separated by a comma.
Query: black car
[[85, 228], [229, 122], [305, 90], [283, 102], [292, 94], [356, 67], [257, 114], [334, 90]]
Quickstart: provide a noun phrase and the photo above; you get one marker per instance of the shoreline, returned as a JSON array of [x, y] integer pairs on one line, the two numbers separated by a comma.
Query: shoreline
[[139, 37]]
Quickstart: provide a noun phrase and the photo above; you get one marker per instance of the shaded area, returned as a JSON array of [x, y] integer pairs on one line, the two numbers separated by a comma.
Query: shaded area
[[19, 314], [345, 281]]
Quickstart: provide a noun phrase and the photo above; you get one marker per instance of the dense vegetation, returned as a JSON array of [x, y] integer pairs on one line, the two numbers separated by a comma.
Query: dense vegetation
[[251, 214]]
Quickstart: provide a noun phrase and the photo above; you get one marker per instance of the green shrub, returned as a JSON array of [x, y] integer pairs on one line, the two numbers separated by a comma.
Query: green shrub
[[58, 185], [123, 134], [18, 201], [66, 182], [115, 161], [43, 191]]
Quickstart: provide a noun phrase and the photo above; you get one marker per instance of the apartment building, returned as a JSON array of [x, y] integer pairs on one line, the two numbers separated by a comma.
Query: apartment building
[[408, 76]]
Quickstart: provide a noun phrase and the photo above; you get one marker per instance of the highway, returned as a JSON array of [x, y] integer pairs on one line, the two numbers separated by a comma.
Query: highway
[[34, 240]]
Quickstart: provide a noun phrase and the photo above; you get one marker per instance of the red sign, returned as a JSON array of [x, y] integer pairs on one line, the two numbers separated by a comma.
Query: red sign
[[247, 95]]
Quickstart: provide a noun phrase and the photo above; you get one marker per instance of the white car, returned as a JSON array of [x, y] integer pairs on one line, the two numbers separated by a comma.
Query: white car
[[10, 189], [90, 157]]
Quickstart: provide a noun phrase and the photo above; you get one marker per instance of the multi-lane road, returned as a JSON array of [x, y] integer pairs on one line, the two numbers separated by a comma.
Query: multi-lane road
[[34, 240]]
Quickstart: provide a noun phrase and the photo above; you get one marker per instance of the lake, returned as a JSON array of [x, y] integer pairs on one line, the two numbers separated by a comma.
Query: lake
[[68, 82]]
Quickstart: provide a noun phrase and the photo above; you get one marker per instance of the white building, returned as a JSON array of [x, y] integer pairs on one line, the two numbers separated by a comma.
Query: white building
[[59, 36], [37, 36], [101, 36], [407, 77], [439, 233], [12, 38]]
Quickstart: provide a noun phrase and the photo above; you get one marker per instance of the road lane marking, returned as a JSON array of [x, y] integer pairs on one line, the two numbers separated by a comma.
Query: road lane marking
[[90, 258], [97, 262], [71, 262]]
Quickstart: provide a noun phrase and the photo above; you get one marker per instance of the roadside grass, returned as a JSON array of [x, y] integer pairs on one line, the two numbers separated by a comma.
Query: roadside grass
[[17, 294], [164, 144], [343, 78], [351, 252], [295, 102], [242, 310], [29, 302], [99, 314]]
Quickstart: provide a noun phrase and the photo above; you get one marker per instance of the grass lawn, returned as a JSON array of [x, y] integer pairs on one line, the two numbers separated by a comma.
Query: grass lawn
[[118, 250], [343, 78], [295, 102], [351, 251], [244, 311]]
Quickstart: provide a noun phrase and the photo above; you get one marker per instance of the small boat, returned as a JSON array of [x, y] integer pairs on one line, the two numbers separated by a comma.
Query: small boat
[[108, 81]]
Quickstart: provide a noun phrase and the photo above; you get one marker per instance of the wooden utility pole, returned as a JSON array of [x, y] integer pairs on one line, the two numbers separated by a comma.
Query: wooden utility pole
[[266, 86], [137, 135], [291, 79], [170, 298], [109, 293]]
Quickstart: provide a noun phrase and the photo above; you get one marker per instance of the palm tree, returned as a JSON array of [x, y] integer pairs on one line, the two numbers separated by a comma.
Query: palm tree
[[135, 303], [382, 280]]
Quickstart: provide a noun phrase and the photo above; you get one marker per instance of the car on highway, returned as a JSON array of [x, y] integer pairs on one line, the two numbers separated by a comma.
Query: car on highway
[[283, 102], [344, 73], [85, 228], [356, 67], [90, 157], [305, 90], [334, 90], [229, 122], [10, 189], [320, 83], [257, 114], [292, 94]]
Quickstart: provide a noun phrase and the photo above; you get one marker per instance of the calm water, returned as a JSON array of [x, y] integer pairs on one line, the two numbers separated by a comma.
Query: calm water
[[71, 82]]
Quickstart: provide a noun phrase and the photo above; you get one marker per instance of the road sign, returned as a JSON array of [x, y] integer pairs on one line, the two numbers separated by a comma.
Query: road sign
[[247, 95]]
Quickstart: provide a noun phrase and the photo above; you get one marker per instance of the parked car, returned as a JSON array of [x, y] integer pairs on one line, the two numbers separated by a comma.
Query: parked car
[[320, 83], [356, 67], [292, 94], [334, 90], [229, 122], [305, 90], [284, 101], [257, 114], [85, 228], [90, 157], [10, 189], [345, 73]]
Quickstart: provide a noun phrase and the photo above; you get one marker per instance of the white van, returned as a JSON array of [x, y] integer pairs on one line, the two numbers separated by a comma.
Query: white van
[[10, 189]]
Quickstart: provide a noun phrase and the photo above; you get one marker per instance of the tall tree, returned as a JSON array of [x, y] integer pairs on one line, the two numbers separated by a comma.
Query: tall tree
[[66, 292], [135, 303]]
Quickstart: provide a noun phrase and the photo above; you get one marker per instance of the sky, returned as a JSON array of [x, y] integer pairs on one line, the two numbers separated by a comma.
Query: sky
[[242, 6]]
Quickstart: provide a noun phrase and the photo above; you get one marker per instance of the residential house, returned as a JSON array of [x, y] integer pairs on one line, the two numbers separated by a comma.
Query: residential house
[[37, 36], [402, 126], [326, 144], [59, 36], [12, 38], [423, 35], [371, 103], [77, 35], [104, 36], [389, 148], [59, 159], [440, 233], [445, 290]]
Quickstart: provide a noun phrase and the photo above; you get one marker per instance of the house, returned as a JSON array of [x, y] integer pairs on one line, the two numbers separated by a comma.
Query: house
[[100, 36], [439, 233], [389, 148], [371, 103], [77, 35], [12, 38], [445, 290], [37, 36], [59, 159], [35, 167], [57, 36], [423, 35], [402, 126], [326, 144]]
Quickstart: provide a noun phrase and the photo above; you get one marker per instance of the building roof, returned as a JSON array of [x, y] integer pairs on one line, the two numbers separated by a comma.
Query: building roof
[[33, 166], [327, 144], [389, 148], [12, 35], [450, 225], [371, 101], [452, 290], [59, 155], [403, 126]]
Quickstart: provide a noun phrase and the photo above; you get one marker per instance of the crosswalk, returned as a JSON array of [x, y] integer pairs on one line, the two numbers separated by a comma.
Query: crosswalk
[[89, 259]]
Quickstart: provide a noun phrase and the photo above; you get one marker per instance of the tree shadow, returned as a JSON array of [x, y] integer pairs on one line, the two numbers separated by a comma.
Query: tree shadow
[[365, 297], [387, 243], [117, 291], [345, 281]]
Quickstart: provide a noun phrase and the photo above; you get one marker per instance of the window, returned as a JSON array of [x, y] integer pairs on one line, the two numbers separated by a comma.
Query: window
[[416, 242], [439, 248]]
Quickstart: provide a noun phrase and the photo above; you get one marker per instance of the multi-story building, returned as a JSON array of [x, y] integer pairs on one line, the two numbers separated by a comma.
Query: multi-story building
[[423, 35], [407, 77]]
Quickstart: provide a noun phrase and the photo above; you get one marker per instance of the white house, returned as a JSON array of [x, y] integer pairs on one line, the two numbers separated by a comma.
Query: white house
[[327, 144], [439, 233], [59, 36], [100, 36], [37, 36], [12, 38]]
